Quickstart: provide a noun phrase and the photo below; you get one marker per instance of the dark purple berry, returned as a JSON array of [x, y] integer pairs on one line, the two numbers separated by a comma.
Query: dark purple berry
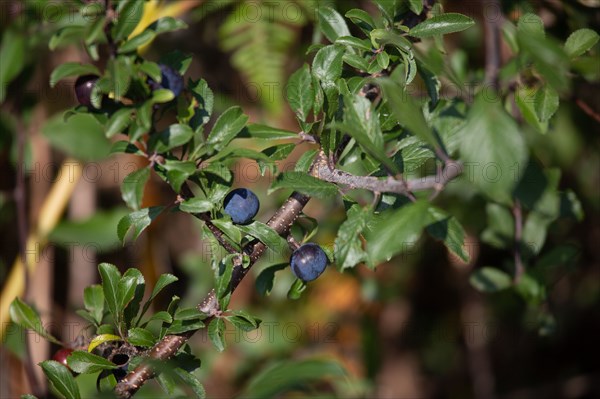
[[242, 205], [170, 79], [308, 262], [83, 89]]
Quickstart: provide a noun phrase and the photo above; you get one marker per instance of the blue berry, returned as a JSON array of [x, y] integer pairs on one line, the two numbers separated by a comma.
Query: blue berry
[[171, 79], [242, 205], [308, 262], [83, 89]]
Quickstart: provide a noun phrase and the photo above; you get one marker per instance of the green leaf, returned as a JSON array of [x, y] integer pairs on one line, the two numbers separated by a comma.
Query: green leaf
[[71, 69], [164, 280], [137, 41], [181, 326], [61, 379], [110, 285], [327, 64], [161, 316], [493, 149], [151, 69], [98, 231], [243, 321], [224, 273], [300, 92], [449, 231], [130, 292], [129, 13], [556, 260], [361, 44], [489, 279], [119, 72], [267, 235], [66, 35], [80, 136], [362, 123], [305, 161], [205, 97], [570, 206], [282, 377], [232, 231], [500, 228], [161, 25], [93, 300], [395, 231], [264, 281], [406, 110], [193, 382], [266, 132], [580, 41], [416, 6], [546, 103], [545, 211], [139, 220], [174, 136], [331, 23], [441, 25], [216, 328], [118, 122], [383, 37], [532, 290], [132, 188], [348, 246], [124, 147], [189, 314], [12, 58], [178, 172], [88, 363], [549, 59], [524, 98], [305, 184], [362, 19], [229, 124], [196, 205], [24, 315], [140, 337]]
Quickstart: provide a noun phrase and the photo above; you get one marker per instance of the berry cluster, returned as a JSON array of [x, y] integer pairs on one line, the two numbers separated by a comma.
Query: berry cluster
[[307, 262], [170, 79]]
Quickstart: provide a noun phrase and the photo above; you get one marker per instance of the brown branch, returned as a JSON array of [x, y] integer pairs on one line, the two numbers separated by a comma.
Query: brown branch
[[492, 15], [390, 185], [587, 109], [518, 215], [281, 222]]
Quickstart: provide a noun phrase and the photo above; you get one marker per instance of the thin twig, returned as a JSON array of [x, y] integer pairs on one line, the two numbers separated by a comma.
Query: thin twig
[[390, 185], [492, 15], [187, 193], [587, 109], [518, 215]]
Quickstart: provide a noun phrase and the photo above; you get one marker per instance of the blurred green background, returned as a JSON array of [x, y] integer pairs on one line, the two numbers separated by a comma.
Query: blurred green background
[[413, 328]]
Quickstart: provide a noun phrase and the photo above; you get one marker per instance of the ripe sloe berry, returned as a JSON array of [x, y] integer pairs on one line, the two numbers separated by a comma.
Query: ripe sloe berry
[[83, 89], [170, 79], [242, 205], [308, 262]]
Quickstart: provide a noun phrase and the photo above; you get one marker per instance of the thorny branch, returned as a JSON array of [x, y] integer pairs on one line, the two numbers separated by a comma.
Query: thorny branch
[[281, 222], [390, 185]]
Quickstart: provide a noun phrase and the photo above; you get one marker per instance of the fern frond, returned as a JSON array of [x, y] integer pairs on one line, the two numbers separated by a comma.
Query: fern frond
[[259, 36]]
